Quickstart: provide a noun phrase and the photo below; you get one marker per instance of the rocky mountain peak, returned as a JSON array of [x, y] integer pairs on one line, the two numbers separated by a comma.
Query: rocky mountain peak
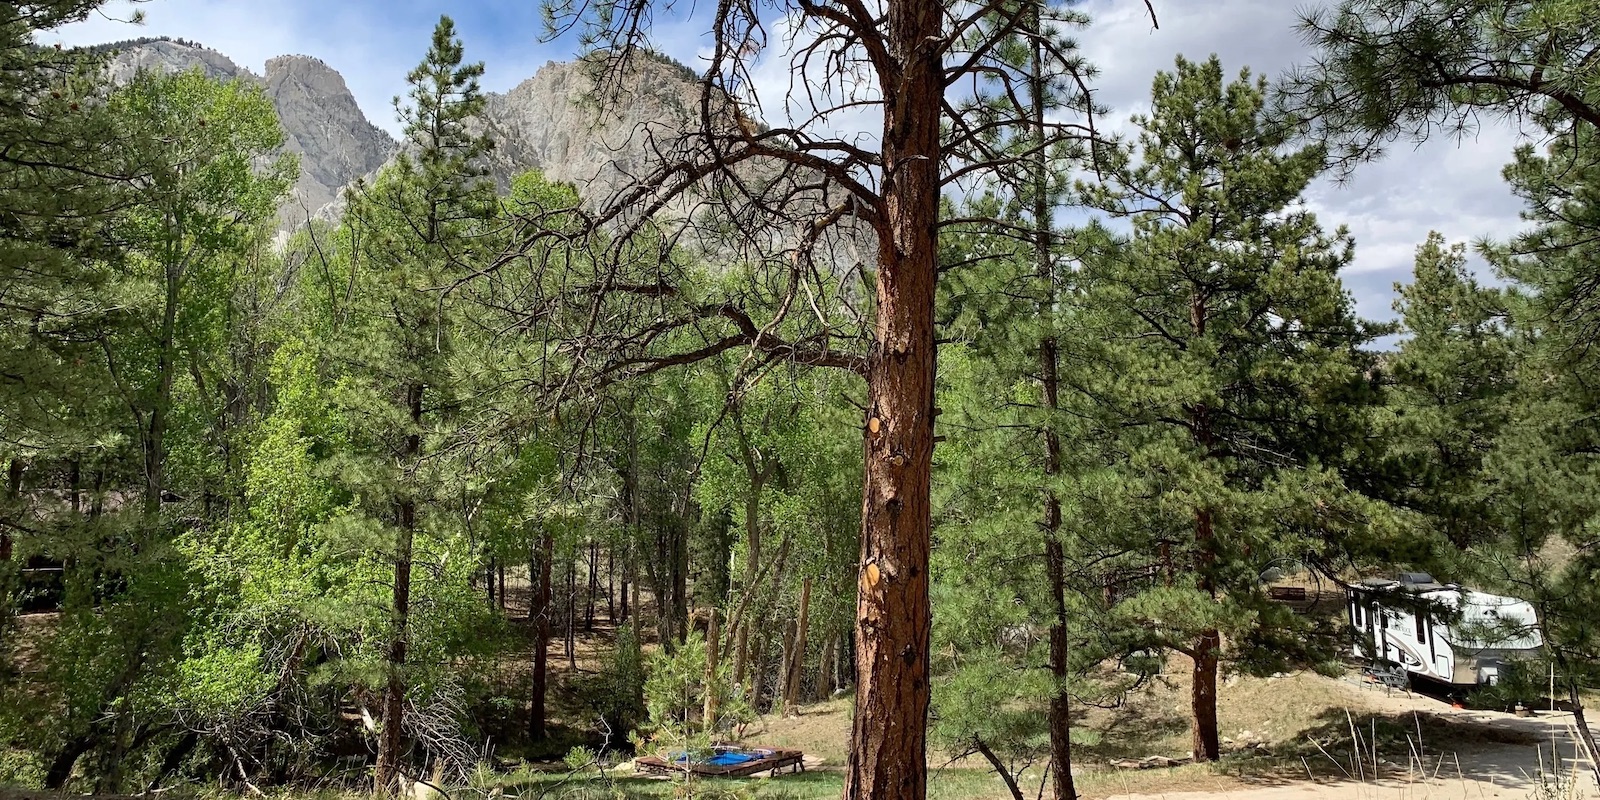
[[326, 127], [551, 121]]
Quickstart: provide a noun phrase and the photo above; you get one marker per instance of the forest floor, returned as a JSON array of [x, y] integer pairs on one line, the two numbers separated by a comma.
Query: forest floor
[[1285, 737], [1288, 736]]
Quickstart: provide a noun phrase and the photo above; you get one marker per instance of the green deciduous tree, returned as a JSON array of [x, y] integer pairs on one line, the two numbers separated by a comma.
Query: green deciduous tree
[[206, 203]]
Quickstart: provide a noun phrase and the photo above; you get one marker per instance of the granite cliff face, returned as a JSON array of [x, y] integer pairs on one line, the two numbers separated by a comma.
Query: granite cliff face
[[553, 122], [550, 121], [321, 120], [325, 126], [169, 56]]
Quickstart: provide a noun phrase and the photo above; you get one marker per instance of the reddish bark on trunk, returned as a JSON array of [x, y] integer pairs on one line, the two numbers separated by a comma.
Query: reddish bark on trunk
[[888, 753]]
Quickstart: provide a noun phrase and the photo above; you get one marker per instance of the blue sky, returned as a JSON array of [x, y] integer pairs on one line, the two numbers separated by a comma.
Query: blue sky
[[1448, 185], [373, 43]]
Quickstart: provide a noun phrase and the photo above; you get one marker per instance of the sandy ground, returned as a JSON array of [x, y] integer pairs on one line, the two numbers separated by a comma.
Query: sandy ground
[[1482, 771]]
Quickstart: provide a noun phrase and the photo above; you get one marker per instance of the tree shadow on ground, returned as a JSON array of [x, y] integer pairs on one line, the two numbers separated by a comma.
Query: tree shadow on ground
[[1130, 732], [1373, 745]]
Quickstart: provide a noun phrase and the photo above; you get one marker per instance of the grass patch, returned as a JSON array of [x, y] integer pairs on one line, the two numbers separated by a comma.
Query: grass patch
[[950, 784]]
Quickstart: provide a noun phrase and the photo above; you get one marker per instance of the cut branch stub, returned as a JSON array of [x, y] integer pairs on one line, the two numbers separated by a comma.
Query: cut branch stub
[[871, 576]]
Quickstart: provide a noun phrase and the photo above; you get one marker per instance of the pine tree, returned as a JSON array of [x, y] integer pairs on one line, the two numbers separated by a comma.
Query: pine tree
[[1230, 367], [1542, 479], [1386, 70], [64, 176], [408, 236], [1452, 393]]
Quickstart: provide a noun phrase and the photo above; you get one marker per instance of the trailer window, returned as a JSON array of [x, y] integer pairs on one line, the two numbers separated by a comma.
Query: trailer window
[[1422, 627]]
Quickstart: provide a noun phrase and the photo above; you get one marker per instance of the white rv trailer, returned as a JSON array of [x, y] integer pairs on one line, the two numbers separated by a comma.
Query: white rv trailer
[[1396, 621]]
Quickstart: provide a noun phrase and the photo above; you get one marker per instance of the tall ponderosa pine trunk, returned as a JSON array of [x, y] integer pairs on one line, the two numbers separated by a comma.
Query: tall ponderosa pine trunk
[[1060, 717], [391, 739], [888, 738], [1207, 646]]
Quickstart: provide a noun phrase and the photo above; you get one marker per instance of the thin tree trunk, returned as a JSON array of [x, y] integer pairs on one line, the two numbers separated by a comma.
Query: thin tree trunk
[[661, 587], [500, 573], [391, 735], [710, 712], [571, 638], [757, 478], [797, 667], [539, 614], [488, 580], [594, 583], [888, 736], [630, 565], [999, 767], [636, 618], [611, 585], [14, 505], [765, 601], [680, 582], [97, 504], [780, 687], [758, 669], [155, 444], [825, 671], [1585, 739]]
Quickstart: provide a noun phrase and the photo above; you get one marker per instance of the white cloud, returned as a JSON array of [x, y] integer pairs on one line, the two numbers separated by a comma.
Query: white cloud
[[1451, 186], [1390, 205]]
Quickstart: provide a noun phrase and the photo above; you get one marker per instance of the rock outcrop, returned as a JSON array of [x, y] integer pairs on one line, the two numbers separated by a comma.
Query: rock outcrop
[[170, 56], [321, 120], [324, 125], [552, 121]]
